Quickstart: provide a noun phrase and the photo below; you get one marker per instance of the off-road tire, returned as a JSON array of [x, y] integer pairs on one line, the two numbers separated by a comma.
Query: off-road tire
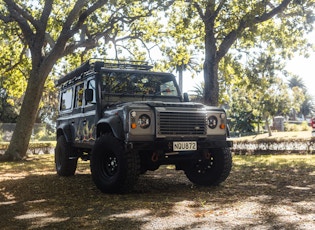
[[212, 169], [65, 166], [114, 170]]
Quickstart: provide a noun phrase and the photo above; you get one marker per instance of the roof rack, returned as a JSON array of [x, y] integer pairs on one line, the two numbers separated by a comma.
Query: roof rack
[[127, 64], [77, 72], [96, 64]]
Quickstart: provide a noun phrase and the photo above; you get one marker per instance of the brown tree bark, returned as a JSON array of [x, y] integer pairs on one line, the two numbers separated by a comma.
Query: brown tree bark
[[211, 90], [23, 130]]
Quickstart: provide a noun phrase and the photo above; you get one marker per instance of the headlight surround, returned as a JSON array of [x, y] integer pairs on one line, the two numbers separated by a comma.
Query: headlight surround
[[212, 122], [144, 121]]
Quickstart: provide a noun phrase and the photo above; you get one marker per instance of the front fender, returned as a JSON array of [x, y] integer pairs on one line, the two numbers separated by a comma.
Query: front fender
[[111, 124], [66, 130]]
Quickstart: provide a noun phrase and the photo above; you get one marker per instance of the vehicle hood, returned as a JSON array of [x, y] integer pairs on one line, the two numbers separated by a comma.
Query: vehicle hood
[[160, 104]]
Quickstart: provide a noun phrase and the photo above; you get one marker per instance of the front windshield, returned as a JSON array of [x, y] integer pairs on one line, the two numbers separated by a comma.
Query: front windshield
[[124, 83]]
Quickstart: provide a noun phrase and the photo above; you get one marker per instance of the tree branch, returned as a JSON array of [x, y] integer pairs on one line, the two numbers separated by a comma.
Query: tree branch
[[21, 13], [199, 10], [21, 17], [5, 19], [46, 12], [21, 57], [69, 28], [66, 31], [88, 44], [50, 40], [88, 12], [219, 8], [266, 16], [247, 22]]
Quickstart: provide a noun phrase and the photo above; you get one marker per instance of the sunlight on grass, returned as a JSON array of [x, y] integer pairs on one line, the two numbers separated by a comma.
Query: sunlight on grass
[[32, 163], [275, 161], [45, 162]]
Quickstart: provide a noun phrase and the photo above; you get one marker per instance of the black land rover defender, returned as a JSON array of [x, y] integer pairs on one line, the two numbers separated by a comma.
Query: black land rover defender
[[127, 119]]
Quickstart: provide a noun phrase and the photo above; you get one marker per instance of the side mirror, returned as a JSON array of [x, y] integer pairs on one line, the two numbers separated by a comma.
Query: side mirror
[[88, 94], [186, 97]]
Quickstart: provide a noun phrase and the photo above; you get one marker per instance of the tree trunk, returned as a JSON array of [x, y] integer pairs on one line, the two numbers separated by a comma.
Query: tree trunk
[[267, 125], [180, 78], [211, 90], [23, 130]]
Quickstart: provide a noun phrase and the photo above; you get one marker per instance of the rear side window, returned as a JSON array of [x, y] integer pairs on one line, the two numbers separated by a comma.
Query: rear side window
[[66, 99], [79, 90]]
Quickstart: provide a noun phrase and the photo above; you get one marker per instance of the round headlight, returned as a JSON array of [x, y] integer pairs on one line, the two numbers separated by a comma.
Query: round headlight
[[212, 122], [144, 121]]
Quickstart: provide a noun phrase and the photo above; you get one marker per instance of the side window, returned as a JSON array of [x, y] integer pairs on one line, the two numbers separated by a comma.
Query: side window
[[79, 90], [66, 99], [91, 85]]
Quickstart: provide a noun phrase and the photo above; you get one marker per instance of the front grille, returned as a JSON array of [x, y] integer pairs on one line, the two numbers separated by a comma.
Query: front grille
[[172, 124]]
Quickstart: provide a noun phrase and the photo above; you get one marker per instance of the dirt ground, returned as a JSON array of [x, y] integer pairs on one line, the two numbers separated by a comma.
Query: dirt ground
[[262, 192]]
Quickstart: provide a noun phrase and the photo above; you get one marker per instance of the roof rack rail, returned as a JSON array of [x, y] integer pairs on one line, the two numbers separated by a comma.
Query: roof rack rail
[[97, 63], [127, 64], [81, 69]]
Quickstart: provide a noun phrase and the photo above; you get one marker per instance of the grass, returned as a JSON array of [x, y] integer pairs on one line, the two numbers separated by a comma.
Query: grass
[[261, 192]]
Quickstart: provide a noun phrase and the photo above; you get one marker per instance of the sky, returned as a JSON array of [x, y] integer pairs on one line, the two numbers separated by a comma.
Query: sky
[[304, 68]]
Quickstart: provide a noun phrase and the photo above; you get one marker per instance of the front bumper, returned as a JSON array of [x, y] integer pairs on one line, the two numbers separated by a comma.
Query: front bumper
[[167, 145]]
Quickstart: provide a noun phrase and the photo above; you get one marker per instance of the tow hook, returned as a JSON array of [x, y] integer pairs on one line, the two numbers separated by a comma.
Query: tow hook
[[207, 155], [155, 157]]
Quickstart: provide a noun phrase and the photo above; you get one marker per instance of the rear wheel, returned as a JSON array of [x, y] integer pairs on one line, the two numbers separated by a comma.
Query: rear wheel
[[212, 169], [113, 169], [65, 166]]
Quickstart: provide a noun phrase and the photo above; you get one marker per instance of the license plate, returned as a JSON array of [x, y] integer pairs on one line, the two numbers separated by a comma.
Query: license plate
[[184, 145]]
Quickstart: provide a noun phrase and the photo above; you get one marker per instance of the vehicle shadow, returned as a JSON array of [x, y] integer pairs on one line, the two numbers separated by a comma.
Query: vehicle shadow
[[163, 199]]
